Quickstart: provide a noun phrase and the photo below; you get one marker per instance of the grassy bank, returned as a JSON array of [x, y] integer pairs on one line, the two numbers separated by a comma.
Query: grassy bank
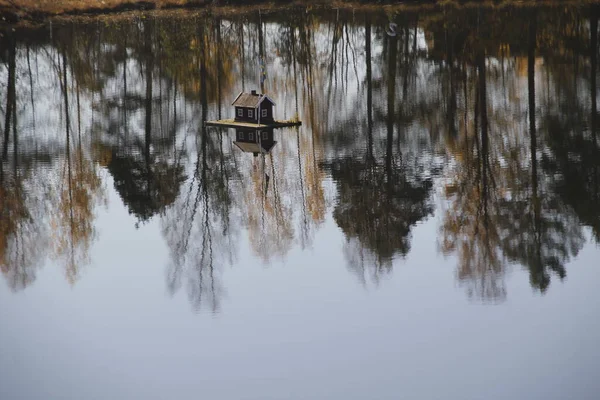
[[15, 11]]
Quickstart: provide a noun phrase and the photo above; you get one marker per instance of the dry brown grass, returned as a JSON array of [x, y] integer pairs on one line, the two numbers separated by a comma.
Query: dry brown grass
[[57, 7], [39, 9]]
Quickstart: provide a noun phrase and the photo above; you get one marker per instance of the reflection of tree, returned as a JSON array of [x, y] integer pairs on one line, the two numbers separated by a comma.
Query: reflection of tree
[[22, 239], [10, 110], [377, 211], [73, 222], [378, 203], [198, 229], [539, 231], [515, 194], [146, 181], [197, 226], [295, 48], [574, 157], [79, 188], [269, 217], [500, 208], [146, 186], [470, 223]]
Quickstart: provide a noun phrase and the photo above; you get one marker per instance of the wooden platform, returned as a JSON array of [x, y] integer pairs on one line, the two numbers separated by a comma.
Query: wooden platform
[[230, 123]]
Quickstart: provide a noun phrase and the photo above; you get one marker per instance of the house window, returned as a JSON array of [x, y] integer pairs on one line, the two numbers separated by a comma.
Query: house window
[[249, 113], [241, 135], [240, 112], [264, 135], [264, 112], [251, 136]]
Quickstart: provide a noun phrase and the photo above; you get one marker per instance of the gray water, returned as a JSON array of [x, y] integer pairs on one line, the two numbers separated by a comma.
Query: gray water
[[430, 231]]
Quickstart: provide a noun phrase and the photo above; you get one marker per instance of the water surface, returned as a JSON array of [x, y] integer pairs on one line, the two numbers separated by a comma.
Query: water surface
[[430, 231]]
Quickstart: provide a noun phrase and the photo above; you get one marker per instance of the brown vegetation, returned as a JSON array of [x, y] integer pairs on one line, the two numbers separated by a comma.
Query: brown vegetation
[[14, 11], [34, 9]]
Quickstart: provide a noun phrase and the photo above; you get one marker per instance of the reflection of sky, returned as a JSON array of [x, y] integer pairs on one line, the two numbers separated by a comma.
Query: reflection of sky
[[303, 328]]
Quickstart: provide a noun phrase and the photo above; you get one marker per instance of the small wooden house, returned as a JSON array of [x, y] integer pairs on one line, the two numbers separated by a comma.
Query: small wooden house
[[255, 141], [253, 107]]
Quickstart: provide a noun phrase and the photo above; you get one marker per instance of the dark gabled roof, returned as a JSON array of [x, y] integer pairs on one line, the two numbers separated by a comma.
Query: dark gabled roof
[[249, 100], [255, 147]]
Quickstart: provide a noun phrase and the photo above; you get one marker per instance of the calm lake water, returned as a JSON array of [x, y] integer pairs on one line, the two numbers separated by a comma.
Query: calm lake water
[[431, 231]]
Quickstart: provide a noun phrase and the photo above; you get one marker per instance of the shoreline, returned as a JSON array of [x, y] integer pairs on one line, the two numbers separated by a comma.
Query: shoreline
[[15, 12]]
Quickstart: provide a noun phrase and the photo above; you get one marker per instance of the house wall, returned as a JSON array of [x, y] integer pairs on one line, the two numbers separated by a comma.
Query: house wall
[[269, 108], [245, 118], [243, 135]]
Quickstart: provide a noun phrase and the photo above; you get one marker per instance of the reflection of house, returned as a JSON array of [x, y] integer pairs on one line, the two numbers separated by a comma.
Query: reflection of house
[[255, 141], [253, 107]]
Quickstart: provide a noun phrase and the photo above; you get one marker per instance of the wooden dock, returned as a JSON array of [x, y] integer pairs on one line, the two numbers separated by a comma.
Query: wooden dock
[[230, 123]]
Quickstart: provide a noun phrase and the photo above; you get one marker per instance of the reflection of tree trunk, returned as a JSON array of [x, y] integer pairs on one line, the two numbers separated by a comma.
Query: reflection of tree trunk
[[332, 70], [304, 229], [261, 53], [294, 62], [69, 168], [204, 114], [66, 99], [391, 99], [306, 48], [593, 56], [369, 90], [125, 57], [10, 94], [451, 107], [532, 128], [148, 121], [243, 51], [484, 133], [406, 62], [31, 89], [14, 128], [416, 28], [218, 66], [205, 259], [533, 145]]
